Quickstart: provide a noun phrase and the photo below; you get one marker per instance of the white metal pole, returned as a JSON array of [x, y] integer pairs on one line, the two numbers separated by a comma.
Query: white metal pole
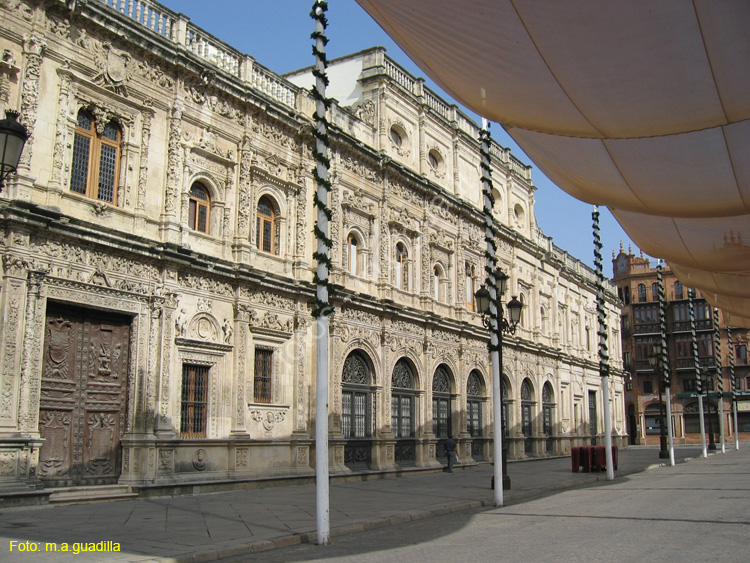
[[323, 308], [607, 429], [603, 355], [697, 367], [736, 428], [721, 424], [704, 449], [495, 328], [670, 430]]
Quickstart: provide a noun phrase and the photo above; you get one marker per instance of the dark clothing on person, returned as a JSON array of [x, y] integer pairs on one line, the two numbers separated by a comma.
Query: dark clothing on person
[[450, 451]]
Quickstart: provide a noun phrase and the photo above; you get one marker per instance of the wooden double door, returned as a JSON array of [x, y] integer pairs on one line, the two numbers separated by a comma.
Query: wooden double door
[[83, 396]]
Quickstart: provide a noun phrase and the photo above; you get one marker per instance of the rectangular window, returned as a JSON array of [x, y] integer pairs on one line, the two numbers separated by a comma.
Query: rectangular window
[[263, 366], [80, 172], [354, 414], [474, 418], [441, 417], [740, 354], [402, 409], [688, 385], [648, 386], [194, 401]]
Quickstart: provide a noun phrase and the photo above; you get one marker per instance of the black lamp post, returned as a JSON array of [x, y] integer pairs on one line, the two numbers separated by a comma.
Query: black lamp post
[[13, 137], [709, 386], [655, 359], [499, 326]]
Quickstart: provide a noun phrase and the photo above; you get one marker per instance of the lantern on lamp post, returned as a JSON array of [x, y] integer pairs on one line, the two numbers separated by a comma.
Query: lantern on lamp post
[[13, 137]]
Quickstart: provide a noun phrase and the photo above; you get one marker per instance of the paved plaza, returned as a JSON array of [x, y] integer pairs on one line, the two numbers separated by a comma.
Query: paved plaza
[[236, 524]]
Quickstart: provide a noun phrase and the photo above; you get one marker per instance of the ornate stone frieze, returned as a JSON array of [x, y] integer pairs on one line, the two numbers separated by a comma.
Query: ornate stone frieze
[[275, 134], [270, 299], [405, 193], [359, 169], [205, 285], [361, 316]]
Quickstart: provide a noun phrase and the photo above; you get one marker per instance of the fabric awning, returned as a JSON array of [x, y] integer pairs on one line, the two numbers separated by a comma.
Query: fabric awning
[[640, 106]]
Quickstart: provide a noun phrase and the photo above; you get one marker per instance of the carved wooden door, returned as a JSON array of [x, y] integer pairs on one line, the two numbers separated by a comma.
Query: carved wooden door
[[83, 396]]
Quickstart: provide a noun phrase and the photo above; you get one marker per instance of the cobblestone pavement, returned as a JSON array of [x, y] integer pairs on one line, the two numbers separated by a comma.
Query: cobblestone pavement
[[210, 526]]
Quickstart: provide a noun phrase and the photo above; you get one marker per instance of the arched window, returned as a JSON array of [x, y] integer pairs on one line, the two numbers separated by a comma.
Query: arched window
[[402, 400], [96, 159], [402, 270], [470, 289], [641, 293], [199, 208], [505, 393], [441, 402], [436, 283], [474, 404], [265, 226], [440, 283], [352, 256], [526, 415], [678, 290], [654, 292], [548, 399], [356, 397]]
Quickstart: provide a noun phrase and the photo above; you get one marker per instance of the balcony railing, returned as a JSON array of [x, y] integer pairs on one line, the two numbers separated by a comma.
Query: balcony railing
[[179, 30]]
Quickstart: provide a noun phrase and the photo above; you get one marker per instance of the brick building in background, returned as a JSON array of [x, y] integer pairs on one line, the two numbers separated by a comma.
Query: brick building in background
[[636, 283]]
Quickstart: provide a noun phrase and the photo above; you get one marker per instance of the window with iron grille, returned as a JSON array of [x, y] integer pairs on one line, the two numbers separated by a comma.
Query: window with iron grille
[[355, 414], [474, 418], [356, 396], [474, 404], [263, 372], [441, 402], [402, 400], [194, 401]]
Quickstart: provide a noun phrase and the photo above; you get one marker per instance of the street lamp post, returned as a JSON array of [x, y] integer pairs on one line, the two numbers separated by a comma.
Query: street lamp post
[[497, 325], [655, 359], [13, 137]]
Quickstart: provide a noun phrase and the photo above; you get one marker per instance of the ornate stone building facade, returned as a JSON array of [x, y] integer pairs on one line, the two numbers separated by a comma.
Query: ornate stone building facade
[[157, 266]]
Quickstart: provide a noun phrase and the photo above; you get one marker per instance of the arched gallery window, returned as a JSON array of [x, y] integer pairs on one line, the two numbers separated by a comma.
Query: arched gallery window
[[402, 270], [265, 226], [199, 208], [441, 402], [678, 290], [402, 400], [548, 400], [641, 293], [356, 400], [526, 415], [474, 404], [470, 287], [96, 159], [352, 254]]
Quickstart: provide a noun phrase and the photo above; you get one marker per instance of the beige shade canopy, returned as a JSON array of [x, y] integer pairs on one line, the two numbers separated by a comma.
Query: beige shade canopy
[[640, 106]]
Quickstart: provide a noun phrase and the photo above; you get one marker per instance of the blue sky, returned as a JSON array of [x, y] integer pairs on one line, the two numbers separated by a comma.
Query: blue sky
[[277, 34]]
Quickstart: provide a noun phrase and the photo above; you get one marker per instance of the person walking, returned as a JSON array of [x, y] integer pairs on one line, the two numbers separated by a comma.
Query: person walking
[[450, 451]]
